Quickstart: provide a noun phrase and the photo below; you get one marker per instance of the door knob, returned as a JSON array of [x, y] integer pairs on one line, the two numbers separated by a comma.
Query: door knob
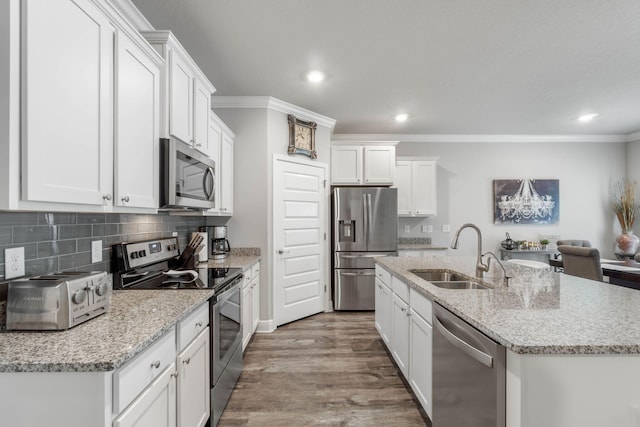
[[280, 251]]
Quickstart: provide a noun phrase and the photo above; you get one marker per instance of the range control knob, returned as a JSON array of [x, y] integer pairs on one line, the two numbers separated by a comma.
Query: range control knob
[[142, 253], [79, 297], [101, 289]]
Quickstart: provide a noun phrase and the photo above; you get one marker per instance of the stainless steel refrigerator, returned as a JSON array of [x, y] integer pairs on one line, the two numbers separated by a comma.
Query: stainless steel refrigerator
[[365, 225]]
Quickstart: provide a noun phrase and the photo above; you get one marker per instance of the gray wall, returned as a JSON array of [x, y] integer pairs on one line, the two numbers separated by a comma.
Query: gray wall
[[62, 241], [466, 172]]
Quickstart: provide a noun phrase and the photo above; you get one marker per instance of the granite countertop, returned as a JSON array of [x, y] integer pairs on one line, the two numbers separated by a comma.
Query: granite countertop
[[238, 258], [136, 318], [540, 312]]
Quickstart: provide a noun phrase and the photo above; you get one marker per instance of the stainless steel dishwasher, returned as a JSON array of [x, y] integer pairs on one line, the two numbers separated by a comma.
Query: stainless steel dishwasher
[[468, 374]]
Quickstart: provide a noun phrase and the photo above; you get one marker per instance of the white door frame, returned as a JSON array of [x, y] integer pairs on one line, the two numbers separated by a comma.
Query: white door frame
[[325, 224]]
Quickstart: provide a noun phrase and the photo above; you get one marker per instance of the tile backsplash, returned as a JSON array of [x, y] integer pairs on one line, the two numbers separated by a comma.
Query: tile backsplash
[[62, 241]]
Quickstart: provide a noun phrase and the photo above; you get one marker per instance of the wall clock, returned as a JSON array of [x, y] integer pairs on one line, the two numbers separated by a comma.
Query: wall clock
[[302, 137]]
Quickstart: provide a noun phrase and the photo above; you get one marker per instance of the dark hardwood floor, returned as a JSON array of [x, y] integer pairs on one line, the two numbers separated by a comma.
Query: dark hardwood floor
[[330, 369]]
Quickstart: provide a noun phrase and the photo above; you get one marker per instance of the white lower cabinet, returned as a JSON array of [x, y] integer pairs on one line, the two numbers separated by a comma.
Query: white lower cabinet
[[160, 388], [420, 350], [192, 366], [383, 310], [155, 407], [400, 334], [403, 319], [250, 303]]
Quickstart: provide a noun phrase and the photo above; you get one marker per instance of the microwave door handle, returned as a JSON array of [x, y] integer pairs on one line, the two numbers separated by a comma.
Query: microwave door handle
[[205, 179]]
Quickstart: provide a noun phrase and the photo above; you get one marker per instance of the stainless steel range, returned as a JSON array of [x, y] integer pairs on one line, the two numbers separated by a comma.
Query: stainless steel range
[[153, 264]]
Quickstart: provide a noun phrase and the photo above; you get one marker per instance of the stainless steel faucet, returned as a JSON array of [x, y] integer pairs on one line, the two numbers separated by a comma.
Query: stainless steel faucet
[[480, 267], [506, 276]]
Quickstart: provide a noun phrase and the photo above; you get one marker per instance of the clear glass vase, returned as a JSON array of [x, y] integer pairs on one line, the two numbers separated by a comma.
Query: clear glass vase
[[626, 244]]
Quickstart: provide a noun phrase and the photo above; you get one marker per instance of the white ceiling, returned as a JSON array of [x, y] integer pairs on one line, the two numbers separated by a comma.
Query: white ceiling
[[456, 66]]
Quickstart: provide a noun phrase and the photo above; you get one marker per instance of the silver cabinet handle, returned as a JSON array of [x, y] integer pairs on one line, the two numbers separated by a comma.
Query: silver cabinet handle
[[186, 361], [156, 364], [107, 197], [198, 324], [125, 199]]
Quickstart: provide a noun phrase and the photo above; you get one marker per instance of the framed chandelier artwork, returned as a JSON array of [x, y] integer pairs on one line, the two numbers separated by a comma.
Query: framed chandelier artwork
[[526, 201]]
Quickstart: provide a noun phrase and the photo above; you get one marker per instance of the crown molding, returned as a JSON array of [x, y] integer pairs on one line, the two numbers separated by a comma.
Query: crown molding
[[274, 104], [632, 137], [133, 14], [482, 138]]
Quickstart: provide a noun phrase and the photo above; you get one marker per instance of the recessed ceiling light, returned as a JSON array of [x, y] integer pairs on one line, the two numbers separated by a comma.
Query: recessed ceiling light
[[587, 117], [402, 117], [315, 76]]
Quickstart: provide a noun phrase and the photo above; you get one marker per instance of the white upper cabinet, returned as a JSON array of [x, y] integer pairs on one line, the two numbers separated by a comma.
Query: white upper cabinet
[[137, 126], [67, 97], [226, 174], [417, 187], [363, 164], [186, 93], [88, 110]]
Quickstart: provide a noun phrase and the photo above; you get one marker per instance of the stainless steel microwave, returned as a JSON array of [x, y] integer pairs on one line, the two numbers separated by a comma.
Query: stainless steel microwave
[[187, 177]]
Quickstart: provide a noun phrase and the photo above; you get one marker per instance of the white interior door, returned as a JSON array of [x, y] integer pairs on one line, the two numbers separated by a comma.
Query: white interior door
[[299, 204]]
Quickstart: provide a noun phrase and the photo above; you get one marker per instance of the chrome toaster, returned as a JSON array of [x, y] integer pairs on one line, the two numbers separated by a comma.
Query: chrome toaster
[[57, 301]]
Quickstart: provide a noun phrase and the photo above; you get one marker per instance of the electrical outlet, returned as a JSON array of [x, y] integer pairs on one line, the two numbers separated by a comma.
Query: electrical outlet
[[446, 228], [174, 234], [424, 228], [407, 229], [96, 251], [13, 262], [429, 228]]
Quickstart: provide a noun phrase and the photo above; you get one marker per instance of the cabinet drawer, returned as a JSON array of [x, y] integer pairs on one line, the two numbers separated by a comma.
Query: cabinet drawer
[[192, 325], [383, 275], [400, 288], [138, 373], [421, 305]]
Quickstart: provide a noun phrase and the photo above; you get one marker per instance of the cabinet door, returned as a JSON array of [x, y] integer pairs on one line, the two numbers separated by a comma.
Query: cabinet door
[[400, 335], [403, 184], [255, 304], [346, 165], [226, 175], [155, 406], [201, 109], [137, 109], [420, 356], [246, 313], [424, 187], [193, 398], [67, 96], [383, 320], [379, 165], [181, 83]]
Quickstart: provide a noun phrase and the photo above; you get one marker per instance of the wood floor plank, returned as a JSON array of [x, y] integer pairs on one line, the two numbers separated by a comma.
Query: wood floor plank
[[330, 369]]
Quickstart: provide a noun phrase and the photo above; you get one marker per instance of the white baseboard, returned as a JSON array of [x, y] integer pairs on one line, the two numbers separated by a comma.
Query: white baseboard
[[266, 326]]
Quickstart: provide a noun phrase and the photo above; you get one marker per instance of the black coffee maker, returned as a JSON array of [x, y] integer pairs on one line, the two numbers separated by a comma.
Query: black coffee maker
[[219, 245]]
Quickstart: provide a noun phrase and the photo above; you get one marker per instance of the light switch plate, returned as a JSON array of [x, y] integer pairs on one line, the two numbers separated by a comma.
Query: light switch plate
[[429, 228], [425, 228], [96, 251], [446, 228], [13, 262], [407, 229]]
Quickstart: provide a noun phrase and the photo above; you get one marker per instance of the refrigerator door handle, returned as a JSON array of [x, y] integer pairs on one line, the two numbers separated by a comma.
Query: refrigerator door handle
[[358, 274], [365, 209]]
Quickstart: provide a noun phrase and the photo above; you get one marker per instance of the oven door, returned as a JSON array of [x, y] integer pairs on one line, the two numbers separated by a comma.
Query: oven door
[[226, 328], [187, 177]]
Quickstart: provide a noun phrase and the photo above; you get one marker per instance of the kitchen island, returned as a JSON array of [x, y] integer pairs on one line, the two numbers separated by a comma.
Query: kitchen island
[[93, 373], [573, 345]]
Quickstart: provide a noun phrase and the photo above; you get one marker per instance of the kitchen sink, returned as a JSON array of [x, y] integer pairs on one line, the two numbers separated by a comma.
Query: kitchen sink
[[439, 276], [448, 279], [462, 284]]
